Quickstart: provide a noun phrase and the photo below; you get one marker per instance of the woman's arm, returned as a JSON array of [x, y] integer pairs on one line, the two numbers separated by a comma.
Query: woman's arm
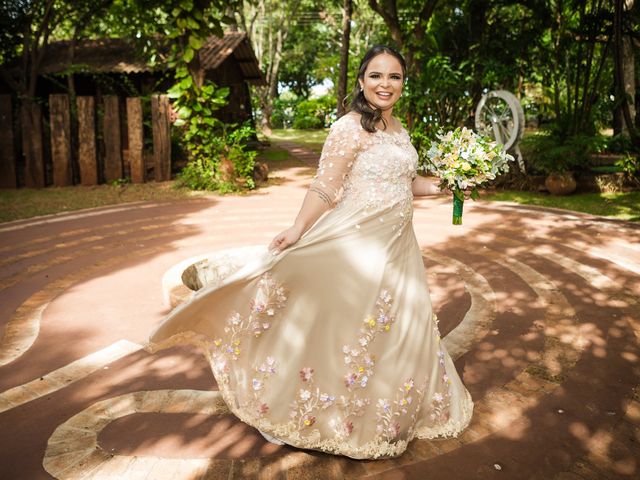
[[314, 205], [338, 155], [423, 186]]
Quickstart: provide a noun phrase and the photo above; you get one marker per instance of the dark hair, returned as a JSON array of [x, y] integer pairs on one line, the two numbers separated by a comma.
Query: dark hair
[[370, 116]]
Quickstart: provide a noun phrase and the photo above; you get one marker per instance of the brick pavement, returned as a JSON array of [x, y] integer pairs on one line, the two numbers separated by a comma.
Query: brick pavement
[[539, 309]]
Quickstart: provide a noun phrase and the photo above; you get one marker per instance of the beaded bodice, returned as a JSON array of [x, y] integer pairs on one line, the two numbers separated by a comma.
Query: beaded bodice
[[366, 170]]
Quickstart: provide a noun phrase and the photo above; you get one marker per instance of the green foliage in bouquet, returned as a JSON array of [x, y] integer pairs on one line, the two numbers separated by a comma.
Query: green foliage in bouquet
[[464, 160]]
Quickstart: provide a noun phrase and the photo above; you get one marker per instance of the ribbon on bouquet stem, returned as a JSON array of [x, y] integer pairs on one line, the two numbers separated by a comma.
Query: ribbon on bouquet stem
[[458, 203]]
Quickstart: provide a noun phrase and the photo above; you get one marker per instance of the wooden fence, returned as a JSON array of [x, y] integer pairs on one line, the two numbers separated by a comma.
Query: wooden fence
[[97, 152]]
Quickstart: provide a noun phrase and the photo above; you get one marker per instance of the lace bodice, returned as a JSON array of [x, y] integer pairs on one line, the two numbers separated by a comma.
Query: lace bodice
[[363, 169]]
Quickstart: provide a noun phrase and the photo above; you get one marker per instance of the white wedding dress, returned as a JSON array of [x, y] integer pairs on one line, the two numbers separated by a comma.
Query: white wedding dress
[[332, 344]]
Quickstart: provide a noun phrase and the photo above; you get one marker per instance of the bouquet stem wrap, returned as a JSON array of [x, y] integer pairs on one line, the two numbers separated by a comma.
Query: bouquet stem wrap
[[458, 203]]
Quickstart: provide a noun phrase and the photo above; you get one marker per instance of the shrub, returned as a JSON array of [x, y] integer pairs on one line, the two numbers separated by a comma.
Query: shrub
[[227, 168], [314, 113], [546, 152], [630, 166], [283, 112], [620, 144]]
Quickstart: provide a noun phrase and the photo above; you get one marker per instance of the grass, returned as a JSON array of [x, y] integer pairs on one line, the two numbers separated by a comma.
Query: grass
[[274, 154], [28, 202], [312, 139], [25, 203], [623, 206]]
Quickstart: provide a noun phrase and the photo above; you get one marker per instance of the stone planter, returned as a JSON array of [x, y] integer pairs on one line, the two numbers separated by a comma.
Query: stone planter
[[560, 183]]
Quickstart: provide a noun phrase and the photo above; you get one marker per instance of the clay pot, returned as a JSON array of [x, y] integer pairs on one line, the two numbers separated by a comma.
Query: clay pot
[[260, 172], [560, 183]]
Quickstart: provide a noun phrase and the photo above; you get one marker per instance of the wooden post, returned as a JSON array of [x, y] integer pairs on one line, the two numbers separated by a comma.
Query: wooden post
[[7, 153], [31, 123], [161, 137], [60, 139], [134, 129], [112, 143], [87, 159]]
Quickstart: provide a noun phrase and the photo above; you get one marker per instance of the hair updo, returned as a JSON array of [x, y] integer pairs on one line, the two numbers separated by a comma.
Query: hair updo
[[370, 116]]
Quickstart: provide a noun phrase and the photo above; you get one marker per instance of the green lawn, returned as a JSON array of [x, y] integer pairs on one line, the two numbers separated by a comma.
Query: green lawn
[[27, 202], [312, 139], [274, 154], [624, 206]]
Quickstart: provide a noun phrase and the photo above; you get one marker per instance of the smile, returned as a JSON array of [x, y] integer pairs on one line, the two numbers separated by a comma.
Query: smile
[[385, 95]]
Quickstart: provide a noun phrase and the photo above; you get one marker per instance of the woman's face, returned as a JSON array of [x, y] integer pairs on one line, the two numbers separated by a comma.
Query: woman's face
[[382, 82]]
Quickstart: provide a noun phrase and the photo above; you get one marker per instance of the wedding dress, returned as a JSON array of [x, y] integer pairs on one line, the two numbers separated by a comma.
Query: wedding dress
[[332, 344]]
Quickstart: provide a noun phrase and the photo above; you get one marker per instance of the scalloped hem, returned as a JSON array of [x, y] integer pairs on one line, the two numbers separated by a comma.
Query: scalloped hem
[[375, 449]]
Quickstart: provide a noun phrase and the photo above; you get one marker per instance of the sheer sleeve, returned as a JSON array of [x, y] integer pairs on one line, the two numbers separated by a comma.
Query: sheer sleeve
[[338, 154]]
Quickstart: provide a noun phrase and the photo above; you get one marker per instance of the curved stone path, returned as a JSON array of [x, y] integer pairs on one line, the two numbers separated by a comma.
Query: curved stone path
[[539, 308]]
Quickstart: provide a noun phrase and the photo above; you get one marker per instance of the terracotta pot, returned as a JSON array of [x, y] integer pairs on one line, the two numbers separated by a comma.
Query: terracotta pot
[[560, 183]]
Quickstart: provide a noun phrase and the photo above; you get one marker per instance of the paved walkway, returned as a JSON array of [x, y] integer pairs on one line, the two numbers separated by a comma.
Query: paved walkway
[[539, 309]]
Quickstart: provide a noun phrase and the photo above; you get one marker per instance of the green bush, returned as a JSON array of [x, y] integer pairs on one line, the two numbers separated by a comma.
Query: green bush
[[547, 152], [283, 112], [620, 144], [307, 122], [630, 166], [227, 151], [314, 113], [217, 159]]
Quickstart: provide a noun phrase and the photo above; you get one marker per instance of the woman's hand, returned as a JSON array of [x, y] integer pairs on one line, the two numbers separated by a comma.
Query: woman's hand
[[285, 239], [422, 186]]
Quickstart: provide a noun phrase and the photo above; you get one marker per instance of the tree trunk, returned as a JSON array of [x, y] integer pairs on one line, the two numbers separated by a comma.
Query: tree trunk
[[8, 177], [344, 56], [161, 137], [32, 148], [628, 80], [622, 72]]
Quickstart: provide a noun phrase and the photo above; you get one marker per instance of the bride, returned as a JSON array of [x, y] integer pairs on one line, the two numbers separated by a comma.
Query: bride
[[328, 340]]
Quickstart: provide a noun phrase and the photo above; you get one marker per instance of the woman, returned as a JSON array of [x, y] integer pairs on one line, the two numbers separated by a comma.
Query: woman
[[328, 341]]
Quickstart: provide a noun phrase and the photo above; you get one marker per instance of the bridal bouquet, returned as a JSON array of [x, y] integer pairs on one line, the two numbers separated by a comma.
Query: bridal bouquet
[[465, 160]]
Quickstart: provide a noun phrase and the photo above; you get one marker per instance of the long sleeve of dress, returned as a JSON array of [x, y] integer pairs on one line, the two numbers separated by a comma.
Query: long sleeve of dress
[[337, 157]]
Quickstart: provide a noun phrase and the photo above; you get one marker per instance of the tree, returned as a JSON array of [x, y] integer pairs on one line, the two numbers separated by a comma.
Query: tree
[[344, 56], [409, 31], [267, 24], [624, 69]]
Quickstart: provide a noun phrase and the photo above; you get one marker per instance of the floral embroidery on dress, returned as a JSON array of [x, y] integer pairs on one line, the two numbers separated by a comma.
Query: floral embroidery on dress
[[441, 400], [258, 386], [270, 297], [358, 359], [308, 401], [360, 363], [388, 415]]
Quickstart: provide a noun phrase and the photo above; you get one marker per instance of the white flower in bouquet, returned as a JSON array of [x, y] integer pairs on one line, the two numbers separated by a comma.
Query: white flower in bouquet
[[464, 160]]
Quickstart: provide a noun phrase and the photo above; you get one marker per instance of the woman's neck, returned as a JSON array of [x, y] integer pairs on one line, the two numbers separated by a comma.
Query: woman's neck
[[388, 115]]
